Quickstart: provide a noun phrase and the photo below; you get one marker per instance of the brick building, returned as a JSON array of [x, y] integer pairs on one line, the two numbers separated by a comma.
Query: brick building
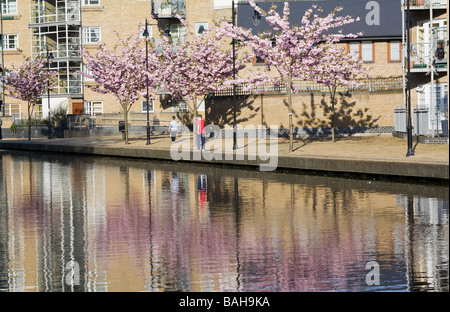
[[64, 26]]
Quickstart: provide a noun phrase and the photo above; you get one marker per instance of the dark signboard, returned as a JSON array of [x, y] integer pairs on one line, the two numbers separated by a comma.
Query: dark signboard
[[379, 19]]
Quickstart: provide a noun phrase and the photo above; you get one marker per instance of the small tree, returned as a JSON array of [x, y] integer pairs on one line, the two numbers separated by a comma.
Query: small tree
[[337, 69], [196, 67], [121, 72], [294, 51], [29, 82]]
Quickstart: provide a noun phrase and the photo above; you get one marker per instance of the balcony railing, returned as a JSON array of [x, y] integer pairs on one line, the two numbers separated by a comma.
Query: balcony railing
[[373, 85], [422, 56], [168, 8], [43, 12], [425, 4]]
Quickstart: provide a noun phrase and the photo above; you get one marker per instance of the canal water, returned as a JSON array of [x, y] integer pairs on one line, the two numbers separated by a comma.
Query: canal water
[[108, 224]]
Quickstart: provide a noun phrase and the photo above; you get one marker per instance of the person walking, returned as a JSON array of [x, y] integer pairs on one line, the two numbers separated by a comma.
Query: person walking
[[200, 133], [173, 129]]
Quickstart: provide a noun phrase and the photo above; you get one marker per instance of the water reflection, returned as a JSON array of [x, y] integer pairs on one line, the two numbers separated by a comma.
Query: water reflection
[[137, 226]]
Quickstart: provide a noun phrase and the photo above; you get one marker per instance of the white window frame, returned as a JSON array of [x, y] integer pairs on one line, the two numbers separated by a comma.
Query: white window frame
[[6, 40], [364, 49], [90, 107], [180, 107], [8, 110], [198, 25], [355, 49], [440, 100], [152, 106], [89, 2], [201, 105], [6, 9], [87, 34], [87, 71], [178, 33], [397, 56]]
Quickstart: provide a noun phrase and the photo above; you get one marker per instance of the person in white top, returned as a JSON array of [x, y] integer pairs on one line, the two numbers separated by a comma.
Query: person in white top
[[173, 129]]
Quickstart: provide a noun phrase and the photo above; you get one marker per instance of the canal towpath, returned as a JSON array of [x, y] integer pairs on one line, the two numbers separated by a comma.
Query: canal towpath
[[367, 155]]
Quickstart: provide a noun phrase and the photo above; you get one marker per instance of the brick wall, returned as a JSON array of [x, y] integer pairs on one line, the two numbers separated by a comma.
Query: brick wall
[[358, 110]]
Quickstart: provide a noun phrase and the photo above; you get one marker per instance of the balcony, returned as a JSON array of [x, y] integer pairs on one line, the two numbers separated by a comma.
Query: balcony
[[166, 9], [64, 41], [47, 12], [422, 57], [425, 4]]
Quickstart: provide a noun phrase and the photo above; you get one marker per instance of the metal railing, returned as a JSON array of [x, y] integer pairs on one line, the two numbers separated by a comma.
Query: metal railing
[[423, 56], [168, 8], [426, 3], [367, 86], [111, 121]]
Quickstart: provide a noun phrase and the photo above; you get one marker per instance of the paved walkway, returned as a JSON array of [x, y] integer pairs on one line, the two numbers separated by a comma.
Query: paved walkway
[[380, 155]]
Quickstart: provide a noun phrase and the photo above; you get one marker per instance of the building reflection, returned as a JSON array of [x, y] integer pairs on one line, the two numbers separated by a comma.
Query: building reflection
[[134, 226], [427, 239]]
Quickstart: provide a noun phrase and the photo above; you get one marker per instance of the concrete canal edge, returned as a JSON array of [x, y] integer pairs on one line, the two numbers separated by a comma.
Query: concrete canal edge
[[439, 171]]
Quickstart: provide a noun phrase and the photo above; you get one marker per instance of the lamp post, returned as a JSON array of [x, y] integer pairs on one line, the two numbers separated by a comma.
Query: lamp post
[[49, 59], [408, 82], [146, 35], [233, 17]]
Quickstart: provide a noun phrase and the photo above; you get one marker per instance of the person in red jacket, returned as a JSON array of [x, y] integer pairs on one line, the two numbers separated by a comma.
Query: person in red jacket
[[200, 133]]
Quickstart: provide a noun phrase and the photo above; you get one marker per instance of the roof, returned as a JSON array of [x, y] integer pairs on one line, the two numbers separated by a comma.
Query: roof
[[381, 19]]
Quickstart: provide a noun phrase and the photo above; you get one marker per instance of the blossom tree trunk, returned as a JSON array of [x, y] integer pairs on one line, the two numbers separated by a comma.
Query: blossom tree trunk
[[291, 112], [332, 91]]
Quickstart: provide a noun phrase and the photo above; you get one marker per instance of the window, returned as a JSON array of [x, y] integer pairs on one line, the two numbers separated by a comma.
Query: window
[[12, 109], [354, 49], [201, 105], [440, 96], [91, 35], [87, 71], [93, 108], [91, 2], [258, 60], [367, 54], [394, 51], [178, 32], [365, 50], [180, 107], [421, 97], [9, 7], [144, 106], [200, 28], [10, 42]]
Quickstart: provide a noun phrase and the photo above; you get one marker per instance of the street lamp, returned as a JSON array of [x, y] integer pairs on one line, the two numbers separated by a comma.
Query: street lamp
[[408, 82], [49, 60], [233, 16], [146, 35]]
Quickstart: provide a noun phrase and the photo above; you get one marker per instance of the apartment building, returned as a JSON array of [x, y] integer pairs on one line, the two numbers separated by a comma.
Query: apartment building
[[367, 109], [429, 65], [59, 29], [63, 27]]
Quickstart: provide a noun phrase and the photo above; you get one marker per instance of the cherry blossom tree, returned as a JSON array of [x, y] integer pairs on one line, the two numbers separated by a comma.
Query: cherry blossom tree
[[294, 51], [198, 66], [337, 69], [29, 82], [122, 72]]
